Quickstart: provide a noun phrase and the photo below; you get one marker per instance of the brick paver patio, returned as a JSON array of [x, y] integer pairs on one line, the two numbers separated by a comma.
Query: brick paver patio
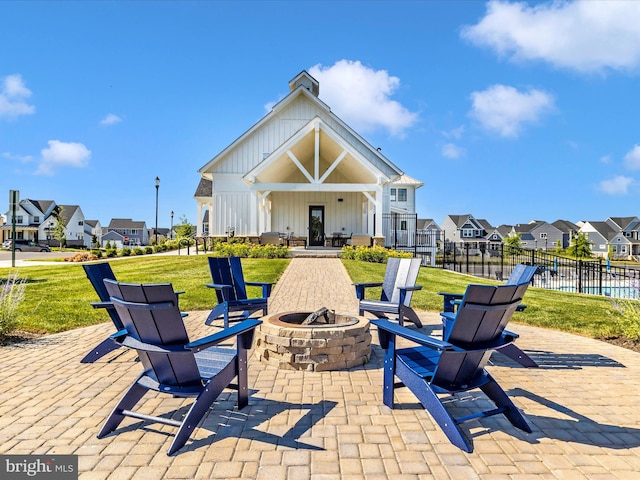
[[583, 405]]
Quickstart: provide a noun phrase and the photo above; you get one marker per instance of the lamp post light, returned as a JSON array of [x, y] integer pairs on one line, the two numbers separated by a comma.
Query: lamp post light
[[157, 188], [171, 231]]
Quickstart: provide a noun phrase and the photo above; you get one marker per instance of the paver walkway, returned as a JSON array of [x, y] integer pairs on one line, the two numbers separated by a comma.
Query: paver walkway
[[582, 405]]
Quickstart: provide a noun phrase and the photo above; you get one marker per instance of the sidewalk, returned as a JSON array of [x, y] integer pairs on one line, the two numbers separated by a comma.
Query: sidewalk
[[582, 405]]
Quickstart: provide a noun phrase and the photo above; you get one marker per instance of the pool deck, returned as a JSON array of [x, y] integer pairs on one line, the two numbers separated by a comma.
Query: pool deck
[[583, 406]]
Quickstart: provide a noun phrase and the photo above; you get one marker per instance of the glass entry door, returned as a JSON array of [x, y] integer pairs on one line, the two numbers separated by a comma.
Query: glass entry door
[[316, 226]]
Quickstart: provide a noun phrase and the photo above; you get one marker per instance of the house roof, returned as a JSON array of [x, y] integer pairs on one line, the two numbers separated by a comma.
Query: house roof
[[623, 222], [67, 212], [460, 220], [300, 89], [407, 180], [565, 226], [92, 223], [604, 229], [125, 223], [423, 223], [204, 189]]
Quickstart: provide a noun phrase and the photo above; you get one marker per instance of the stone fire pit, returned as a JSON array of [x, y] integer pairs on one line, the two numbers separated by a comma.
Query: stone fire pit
[[328, 341]]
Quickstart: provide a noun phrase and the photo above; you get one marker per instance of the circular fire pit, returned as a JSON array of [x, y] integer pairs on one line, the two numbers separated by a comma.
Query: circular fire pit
[[331, 342]]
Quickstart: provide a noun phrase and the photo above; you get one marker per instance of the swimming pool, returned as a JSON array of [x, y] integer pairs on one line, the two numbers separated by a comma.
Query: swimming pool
[[617, 292]]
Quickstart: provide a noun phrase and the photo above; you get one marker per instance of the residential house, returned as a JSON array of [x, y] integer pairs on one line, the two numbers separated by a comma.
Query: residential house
[[629, 229], [93, 230], [465, 233], [601, 235], [130, 233], [74, 229], [495, 237], [29, 218], [300, 170], [538, 235], [568, 230]]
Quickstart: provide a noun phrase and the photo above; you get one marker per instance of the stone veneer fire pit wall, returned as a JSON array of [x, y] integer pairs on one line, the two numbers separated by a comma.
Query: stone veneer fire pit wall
[[282, 341]]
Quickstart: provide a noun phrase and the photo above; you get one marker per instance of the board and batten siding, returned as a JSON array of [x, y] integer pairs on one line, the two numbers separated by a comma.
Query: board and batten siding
[[291, 209], [232, 210]]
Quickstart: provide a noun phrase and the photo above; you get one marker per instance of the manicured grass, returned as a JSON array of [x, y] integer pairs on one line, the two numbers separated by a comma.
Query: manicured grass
[[586, 315], [57, 297]]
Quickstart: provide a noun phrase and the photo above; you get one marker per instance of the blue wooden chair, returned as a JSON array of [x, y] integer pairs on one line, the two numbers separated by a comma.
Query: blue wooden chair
[[521, 275], [173, 365], [398, 286], [231, 291], [97, 273], [431, 367]]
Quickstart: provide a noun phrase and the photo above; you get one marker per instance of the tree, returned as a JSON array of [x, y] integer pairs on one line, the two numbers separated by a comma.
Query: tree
[[184, 229], [58, 230], [580, 246], [513, 244]]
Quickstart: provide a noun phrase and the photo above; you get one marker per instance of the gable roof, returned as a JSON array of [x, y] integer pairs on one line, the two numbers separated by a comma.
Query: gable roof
[[125, 223], [565, 226], [622, 222], [300, 90], [603, 228]]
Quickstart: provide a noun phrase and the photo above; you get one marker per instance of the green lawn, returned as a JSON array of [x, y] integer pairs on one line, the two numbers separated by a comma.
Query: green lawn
[[585, 315], [57, 297]]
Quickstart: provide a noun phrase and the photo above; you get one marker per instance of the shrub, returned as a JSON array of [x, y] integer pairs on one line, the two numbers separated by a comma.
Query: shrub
[[252, 250], [97, 253], [374, 254], [148, 250], [11, 294], [111, 252], [107, 245], [126, 252], [138, 251]]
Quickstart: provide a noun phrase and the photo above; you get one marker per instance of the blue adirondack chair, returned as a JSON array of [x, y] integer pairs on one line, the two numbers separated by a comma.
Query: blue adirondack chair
[[521, 275], [97, 273], [231, 291], [398, 286], [173, 365], [432, 367]]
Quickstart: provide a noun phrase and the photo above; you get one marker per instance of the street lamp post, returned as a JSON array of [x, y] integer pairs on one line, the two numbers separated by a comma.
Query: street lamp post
[[157, 188], [171, 231]]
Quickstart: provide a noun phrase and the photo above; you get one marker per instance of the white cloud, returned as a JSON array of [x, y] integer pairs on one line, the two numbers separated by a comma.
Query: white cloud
[[617, 185], [450, 150], [13, 97], [584, 36], [504, 110], [63, 154], [632, 158], [110, 119], [361, 97], [455, 133], [19, 158], [606, 159]]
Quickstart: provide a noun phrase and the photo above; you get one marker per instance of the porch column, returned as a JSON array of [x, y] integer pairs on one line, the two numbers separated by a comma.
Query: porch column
[[199, 222], [210, 219]]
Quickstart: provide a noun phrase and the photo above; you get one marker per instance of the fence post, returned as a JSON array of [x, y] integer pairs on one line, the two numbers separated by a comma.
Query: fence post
[[600, 276], [466, 245], [579, 276]]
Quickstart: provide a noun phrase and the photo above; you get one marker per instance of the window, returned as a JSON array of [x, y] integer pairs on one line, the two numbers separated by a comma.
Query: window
[[36, 219], [393, 194], [403, 225], [467, 233], [134, 231], [543, 235], [80, 223], [402, 194], [18, 218]]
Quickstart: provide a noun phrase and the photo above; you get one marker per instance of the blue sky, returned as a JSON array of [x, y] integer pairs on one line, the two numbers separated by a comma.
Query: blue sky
[[508, 111]]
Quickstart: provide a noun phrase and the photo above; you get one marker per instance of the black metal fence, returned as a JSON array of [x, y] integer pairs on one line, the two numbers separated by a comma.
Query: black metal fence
[[401, 232], [595, 277]]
